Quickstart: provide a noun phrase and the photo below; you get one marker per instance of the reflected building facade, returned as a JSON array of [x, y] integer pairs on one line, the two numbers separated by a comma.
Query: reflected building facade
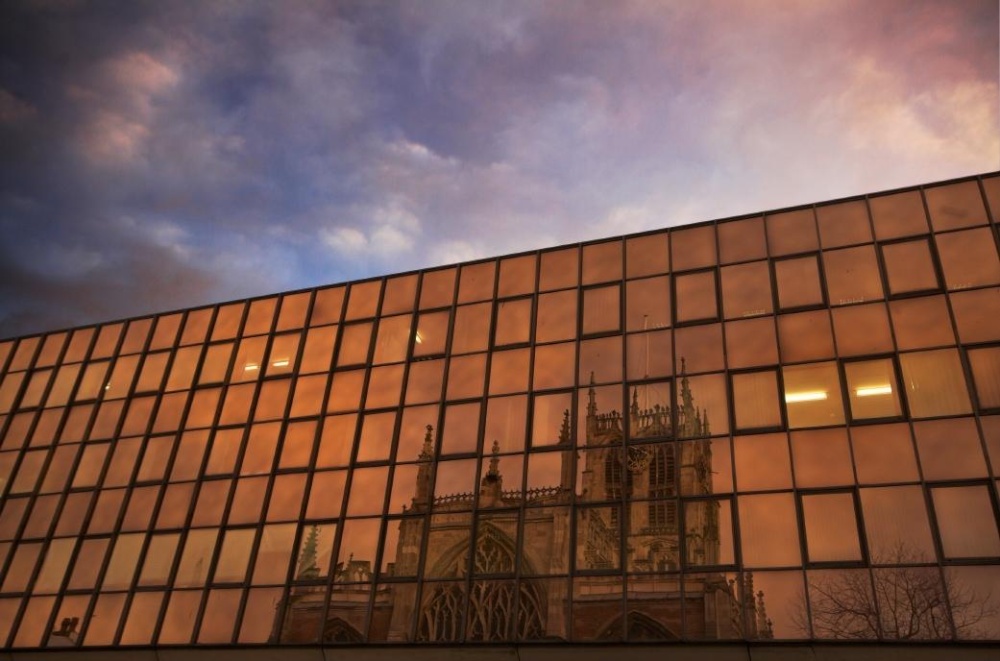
[[778, 427]]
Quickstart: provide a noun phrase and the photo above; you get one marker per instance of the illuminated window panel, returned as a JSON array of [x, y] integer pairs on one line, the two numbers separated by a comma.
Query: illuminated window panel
[[873, 390], [813, 395]]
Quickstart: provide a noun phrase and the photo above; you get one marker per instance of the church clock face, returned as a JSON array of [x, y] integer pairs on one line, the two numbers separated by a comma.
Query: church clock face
[[638, 459]]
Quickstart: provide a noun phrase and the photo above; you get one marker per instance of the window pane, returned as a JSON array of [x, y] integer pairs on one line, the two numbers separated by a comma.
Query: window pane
[[822, 458], [178, 621], [327, 306], [843, 224], [769, 535], [702, 406], [260, 317], [695, 296], [884, 453], [791, 232], [400, 293], [798, 282], [227, 321], [746, 290], [196, 558], [560, 268], [517, 276], [461, 429], [699, 349], [104, 619], [647, 255], [762, 462], [901, 214], [354, 341], [216, 363], [969, 258], [647, 304], [649, 413], [506, 419], [556, 317], [872, 389], [438, 288], [966, 521], [393, 339], [955, 205], [949, 449], [600, 360], [649, 355], [337, 441], [910, 267], [376, 436], [751, 342], [976, 313], [432, 334], [985, 365], [602, 262], [472, 328], [742, 240], [235, 553], [554, 365], [755, 400], [476, 282], [275, 551], [135, 337], [693, 248], [122, 566], [598, 534], [921, 322], [513, 322], [326, 495], [362, 299], [862, 329], [53, 570], [935, 383], [601, 309], [805, 336], [831, 527], [159, 560], [425, 379], [852, 275], [293, 311], [509, 372], [812, 395], [345, 391], [896, 525]]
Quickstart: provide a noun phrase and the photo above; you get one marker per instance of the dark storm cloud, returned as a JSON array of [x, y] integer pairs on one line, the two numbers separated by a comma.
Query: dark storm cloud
[[170, 154]]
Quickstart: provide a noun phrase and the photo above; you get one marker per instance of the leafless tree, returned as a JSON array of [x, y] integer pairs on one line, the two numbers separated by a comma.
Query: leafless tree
[[902, 602]]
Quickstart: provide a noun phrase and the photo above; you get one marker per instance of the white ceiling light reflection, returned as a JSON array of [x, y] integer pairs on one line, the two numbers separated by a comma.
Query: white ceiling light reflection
[[871, 391], [808, 396]]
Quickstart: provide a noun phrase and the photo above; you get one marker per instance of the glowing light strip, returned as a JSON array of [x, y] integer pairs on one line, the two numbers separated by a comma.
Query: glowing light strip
[[251, 367], [419, 339], [811, 396], [282, 362], [873, 390]]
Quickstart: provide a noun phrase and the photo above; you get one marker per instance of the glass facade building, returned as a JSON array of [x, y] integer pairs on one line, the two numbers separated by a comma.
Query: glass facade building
[[777, 427]]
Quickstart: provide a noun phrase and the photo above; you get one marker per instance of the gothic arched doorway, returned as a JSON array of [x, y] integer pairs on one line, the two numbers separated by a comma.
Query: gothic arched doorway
[[497, 609]]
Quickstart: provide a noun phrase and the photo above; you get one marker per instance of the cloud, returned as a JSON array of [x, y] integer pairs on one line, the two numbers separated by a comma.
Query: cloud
[[393, 230], [13, 109], [245, 147]]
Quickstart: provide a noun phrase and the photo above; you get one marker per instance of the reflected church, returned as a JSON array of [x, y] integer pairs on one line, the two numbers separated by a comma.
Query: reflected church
[[630, 469]]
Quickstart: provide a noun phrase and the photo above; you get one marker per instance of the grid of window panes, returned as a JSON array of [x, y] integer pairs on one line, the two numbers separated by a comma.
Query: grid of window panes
[[780, 426]]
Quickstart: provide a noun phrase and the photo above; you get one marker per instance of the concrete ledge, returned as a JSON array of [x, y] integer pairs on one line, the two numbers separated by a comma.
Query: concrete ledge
[[554, 652]]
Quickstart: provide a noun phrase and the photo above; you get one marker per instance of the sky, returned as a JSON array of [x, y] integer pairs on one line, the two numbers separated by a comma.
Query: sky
[[161, 155]]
